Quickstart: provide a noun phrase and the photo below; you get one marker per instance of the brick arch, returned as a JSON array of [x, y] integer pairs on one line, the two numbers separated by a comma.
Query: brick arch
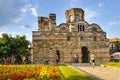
[[82, 23], [81, 26], [63, 26]]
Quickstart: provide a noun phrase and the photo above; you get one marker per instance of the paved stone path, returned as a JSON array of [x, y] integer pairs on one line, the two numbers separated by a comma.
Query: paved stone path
[[98, 73]]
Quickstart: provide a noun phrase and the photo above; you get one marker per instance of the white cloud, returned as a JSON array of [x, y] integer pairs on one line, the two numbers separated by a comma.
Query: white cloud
[[14, 11], [24, 26], [28, 36], [100, 5], [1, 34], [11, 10], [15, 33], [23, 11], [113, 23], [34, 11], [89, 14]]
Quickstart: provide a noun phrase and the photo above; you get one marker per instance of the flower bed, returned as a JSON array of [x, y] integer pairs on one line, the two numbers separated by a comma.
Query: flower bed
[[24, 72]]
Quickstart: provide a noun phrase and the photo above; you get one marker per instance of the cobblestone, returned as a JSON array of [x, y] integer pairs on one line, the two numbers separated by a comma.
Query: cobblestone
[[99, 73]]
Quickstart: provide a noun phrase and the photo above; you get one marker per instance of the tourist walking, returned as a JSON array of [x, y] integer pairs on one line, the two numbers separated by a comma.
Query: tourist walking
[[92, 59]]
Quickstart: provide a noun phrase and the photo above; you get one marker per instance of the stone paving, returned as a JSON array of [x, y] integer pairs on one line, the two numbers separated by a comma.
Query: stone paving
[[98, 73]]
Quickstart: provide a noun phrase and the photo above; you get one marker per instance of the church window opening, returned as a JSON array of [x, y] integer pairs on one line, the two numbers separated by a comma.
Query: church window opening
[[78, 28], [81, 28], [76, 17], [81, 38], [95, 38], [94, 30], [70, 17], [63, 30], [68, 38]]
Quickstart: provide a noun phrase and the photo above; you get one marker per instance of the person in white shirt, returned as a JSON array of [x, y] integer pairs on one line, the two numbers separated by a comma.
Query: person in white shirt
[[23, 59], [92, 60]]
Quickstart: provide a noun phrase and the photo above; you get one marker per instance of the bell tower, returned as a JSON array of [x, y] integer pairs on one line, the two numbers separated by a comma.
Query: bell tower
[[52, 21], [74, 15]]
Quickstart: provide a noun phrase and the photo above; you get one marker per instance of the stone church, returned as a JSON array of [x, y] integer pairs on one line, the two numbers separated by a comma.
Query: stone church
[[67, 40]]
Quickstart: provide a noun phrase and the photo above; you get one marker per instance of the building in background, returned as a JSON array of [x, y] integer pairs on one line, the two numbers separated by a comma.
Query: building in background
[[114, 44], [75, 37]]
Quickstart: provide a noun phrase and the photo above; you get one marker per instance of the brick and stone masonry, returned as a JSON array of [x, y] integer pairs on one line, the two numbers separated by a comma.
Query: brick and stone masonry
[[64, 41]]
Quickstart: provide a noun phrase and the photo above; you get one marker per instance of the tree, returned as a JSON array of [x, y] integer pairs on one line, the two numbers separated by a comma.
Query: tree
[[4, 45], [17, 46]]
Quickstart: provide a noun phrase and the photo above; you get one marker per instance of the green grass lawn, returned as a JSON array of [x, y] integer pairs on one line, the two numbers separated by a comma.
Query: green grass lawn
[[70, 73], [112, 64]]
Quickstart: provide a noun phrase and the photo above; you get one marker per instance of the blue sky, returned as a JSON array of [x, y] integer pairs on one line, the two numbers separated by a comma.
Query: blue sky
[[19, 17]]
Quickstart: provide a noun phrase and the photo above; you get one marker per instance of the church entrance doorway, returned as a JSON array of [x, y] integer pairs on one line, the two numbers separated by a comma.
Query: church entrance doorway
[[58, 55], [85, 54]]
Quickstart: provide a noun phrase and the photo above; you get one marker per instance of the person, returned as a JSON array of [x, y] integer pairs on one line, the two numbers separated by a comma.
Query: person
[[47, 61], [23, 59], [76, 58], [12, 59], [4, 60], [57, 59], [92, 60]]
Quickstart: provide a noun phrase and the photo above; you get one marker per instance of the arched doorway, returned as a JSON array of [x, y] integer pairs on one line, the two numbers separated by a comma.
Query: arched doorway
[[85, 54], [58, 55]]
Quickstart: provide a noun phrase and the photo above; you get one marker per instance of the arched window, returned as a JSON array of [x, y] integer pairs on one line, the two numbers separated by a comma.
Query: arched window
[[76, 17], [68, 38], [81, 28], [95, 38], [58, 55], [70, 17], [94, 30], [63, 29], [78, 28], [81, 38]]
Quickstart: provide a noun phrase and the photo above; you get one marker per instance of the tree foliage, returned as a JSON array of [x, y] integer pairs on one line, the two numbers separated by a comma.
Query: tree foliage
[[17, 45]]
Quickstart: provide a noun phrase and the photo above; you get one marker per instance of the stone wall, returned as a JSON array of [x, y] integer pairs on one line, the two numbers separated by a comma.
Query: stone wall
[[69, 39]]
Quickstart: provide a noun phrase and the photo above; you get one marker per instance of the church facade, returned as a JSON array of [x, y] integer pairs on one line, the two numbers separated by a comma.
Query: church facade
[[65, 41]]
